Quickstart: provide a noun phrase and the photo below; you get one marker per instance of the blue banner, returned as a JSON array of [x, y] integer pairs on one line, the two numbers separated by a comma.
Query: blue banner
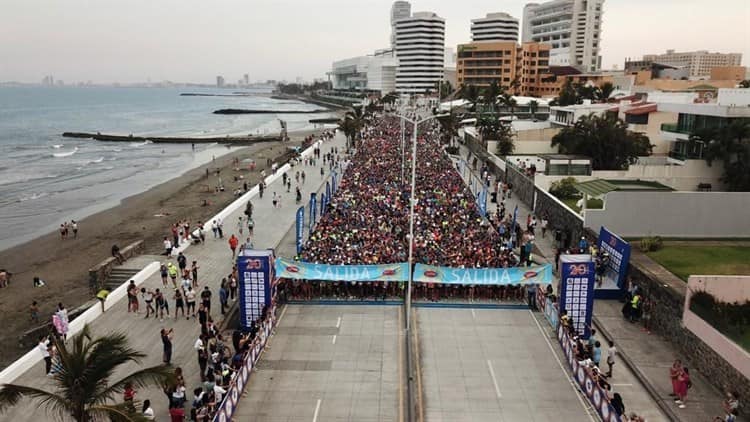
[[287, 268], [483, 202], [300, 225], [256, 272], [333, 181], [513, 226], [541, 274], [313, 210], [323, 201], [615, 254], [328, 190], [577, 291]]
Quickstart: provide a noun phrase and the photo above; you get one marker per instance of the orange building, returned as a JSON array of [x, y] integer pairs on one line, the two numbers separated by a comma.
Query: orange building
[[505, 62]]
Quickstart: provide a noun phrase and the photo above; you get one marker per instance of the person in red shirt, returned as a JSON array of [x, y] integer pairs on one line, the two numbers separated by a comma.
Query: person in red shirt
[[233, 242], [177, 414]]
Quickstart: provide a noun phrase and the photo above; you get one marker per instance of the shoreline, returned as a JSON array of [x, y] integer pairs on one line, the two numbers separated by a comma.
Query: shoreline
[[64, 264]]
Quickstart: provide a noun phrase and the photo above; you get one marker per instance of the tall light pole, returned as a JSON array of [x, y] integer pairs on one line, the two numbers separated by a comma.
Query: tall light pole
[[412, 201]]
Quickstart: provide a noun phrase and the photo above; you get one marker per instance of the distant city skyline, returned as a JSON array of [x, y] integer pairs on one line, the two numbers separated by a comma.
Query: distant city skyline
[[193, 42]]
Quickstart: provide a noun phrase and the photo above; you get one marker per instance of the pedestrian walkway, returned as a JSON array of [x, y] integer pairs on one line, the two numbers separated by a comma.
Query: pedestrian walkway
[[214, 261]]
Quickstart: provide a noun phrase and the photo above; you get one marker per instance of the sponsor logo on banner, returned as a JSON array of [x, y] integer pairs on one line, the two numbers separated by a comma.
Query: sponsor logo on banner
[[300, 228], [541, 274], [286, 268]]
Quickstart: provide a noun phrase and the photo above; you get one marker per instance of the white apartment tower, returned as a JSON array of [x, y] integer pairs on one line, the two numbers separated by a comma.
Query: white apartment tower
[[571, 27], [700, 62], [420, 49], [399, 10], [495, 27]]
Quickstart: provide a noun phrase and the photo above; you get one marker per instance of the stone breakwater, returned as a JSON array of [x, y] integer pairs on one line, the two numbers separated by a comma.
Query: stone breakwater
[[233, 140]]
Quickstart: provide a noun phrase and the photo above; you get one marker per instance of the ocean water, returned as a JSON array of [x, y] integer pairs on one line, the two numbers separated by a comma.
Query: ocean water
[[46, 179]]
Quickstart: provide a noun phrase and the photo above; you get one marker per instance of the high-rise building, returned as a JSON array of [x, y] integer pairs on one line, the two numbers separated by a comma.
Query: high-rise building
[[219, 81], [366, 73], [699, 62], [519, 69], [246, 79], [495, 27], [399, 10], [571, 27], [419, 47]]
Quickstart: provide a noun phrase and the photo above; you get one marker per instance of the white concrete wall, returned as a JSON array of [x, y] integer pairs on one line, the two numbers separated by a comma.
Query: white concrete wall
[[681, 178], [673, 214]]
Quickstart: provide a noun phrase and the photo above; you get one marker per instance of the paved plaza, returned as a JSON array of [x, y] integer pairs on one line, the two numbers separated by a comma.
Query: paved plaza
[[330, 363]]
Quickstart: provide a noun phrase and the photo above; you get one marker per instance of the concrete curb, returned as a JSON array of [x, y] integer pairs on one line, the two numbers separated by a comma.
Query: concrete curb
[[638, 374]]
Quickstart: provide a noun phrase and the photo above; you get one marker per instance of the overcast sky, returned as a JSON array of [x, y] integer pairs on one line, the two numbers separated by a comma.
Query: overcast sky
[[195, 40]]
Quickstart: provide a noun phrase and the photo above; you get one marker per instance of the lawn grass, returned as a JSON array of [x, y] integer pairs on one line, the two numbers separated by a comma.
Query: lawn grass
[[684, 261], [592, 203]]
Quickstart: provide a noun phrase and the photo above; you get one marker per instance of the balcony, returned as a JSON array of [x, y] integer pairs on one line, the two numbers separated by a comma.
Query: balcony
[[674, 128]]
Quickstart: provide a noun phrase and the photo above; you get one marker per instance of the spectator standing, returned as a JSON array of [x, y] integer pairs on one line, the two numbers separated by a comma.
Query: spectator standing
[[223, 296], [611, 353], [166, 339]]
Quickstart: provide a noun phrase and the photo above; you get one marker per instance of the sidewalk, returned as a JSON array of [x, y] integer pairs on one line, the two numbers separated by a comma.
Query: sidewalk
[[635, 395], [215, 261]]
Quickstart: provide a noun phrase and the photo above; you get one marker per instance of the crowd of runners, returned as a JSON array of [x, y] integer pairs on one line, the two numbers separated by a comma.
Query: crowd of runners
[[367, 222]]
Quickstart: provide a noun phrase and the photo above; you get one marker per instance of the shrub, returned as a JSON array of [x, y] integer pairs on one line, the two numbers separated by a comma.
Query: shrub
[[564, 188], [651, 243], [732, 319]]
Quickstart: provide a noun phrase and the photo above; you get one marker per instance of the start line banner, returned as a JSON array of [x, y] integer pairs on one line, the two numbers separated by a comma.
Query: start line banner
[[541, 274], [287, 268]]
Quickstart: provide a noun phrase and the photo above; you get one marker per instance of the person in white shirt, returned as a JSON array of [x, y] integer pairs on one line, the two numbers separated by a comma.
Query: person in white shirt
[[219, 392], [611, 353], [43, 347], [148, 412], [167, 247]]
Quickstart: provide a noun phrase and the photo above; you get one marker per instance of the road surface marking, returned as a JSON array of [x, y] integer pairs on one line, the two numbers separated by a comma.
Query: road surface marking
[[562, 368], [317, 409], [473, 315], [621, 385], [494, 380], [282, 315], [400, 370], [334, 339], [338, 323]]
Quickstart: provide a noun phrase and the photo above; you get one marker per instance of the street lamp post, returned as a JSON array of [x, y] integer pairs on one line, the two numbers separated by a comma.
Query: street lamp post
[[412, 201]]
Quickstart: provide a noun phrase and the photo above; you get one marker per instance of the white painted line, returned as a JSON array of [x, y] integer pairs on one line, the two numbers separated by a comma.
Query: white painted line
[[317, 409], [494, 380], [278, 321], [621, 385], [473, 315], [334, 339], [338, 322], [562, 368]]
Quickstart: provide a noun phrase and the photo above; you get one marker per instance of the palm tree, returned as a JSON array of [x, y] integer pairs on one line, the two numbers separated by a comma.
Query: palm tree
[[493, 129], [470, 93], [606, 139], [604, 91], [730, 145], [83, 389], [509, 102], [533, 107], [490, 95], [449, 126]]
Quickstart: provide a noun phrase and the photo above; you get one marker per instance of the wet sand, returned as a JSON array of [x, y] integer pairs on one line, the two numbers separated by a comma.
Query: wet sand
[[64, 264]]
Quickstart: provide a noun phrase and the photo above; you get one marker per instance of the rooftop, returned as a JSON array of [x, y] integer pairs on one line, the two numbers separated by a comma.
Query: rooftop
[[599, 187]]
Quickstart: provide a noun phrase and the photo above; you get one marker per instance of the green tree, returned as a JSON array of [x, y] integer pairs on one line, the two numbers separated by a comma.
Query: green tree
[[509, 102], [446, 89], [490, 96], [586, 92], [470, 93], [82, 387], [606, 139], [604, 91], [568, 95], [533, 107], [493, 129], [449, 126], [729, 145]]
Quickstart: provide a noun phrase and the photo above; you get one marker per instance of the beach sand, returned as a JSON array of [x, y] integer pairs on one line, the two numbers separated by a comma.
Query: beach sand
[[64, 264]]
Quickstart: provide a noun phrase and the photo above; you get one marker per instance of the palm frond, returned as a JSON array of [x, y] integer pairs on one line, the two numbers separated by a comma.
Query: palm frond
[[11, 394], [155, 375], [117, 413]]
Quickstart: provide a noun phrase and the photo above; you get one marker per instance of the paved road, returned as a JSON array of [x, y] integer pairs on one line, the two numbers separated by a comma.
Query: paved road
[[493, 365], [331, 363], [215, 261]]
